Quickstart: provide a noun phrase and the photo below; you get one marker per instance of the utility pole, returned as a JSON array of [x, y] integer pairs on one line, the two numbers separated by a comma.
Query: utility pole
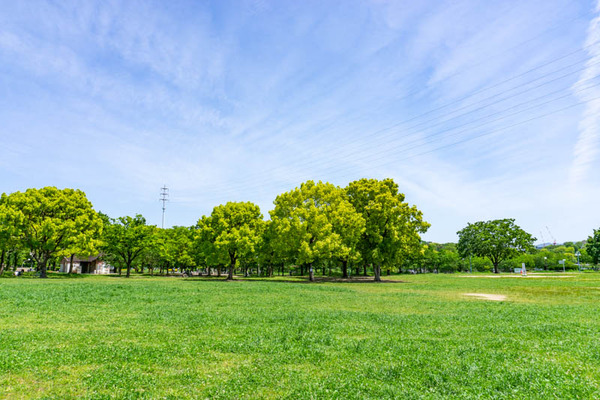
[[164, 197]]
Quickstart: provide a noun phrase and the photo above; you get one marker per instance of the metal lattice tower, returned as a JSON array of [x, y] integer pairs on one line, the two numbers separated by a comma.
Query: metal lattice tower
[[164, 197]]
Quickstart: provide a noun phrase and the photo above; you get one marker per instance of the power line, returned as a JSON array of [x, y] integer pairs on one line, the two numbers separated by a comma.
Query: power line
[[420, 89], [224, 188], [403, 150], [429, 127], [362, 138], [502, 117], [402, 146], [487, 98]]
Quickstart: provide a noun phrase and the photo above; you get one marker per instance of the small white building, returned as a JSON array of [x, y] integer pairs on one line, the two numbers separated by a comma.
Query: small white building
[[89, 265]]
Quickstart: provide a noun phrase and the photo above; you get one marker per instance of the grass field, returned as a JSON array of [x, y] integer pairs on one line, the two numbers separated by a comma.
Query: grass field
[[107, 337]]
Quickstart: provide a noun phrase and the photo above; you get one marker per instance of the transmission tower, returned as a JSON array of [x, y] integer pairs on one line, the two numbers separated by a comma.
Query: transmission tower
[[164, 197]]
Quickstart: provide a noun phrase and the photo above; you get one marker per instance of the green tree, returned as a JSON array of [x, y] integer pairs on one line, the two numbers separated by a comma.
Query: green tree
[[9, 243], [393, 227], [497, 240], [267, 254], [233, 230], [592, 246], [49, 222], [125, 239], [317, 222], [179, 247]]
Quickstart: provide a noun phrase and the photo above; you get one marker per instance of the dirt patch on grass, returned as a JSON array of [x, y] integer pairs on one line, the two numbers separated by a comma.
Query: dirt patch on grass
[[486, 296]]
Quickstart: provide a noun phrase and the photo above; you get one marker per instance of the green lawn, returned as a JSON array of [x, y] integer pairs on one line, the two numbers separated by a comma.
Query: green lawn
[[109, 337]]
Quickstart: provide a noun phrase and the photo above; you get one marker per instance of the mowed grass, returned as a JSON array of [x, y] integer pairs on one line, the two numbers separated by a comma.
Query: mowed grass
[[107, 337]]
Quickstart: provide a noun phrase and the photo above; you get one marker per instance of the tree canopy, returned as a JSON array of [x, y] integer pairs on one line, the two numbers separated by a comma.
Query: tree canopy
[[497, 240], [393, 227], [50, 222], [125, 239], [314, 228], [592, 246], [235, 230], [318, 222]]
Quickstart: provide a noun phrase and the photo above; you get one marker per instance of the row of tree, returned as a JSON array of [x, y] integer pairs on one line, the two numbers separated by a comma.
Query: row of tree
[[444, 257], [363, 228], [316, 224]]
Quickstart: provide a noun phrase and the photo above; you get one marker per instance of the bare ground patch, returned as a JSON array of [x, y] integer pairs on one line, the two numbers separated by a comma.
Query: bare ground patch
[[487, 296]]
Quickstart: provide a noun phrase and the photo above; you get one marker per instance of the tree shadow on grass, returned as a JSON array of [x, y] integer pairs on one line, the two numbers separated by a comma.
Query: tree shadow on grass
[[36, 275], [299, 279]]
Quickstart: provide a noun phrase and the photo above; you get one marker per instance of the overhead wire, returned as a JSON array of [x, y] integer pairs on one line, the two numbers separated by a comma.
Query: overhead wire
[[419, 143], [219, 188], [300, 157], [408, 134]]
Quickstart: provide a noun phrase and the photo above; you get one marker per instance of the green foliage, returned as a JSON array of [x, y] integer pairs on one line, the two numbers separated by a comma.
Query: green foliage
[[9, 234], [592, 246], [175, 248], [441, 258], [233, 231], [392, 227], [497, 240], [50, 222], [125, 239], [316, 222]]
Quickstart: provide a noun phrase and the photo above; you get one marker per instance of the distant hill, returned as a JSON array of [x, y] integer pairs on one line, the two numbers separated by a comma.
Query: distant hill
[[542, 245]]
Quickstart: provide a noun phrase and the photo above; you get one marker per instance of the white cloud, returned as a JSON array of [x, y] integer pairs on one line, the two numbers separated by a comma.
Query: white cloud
[[587, 148], [226, 102]]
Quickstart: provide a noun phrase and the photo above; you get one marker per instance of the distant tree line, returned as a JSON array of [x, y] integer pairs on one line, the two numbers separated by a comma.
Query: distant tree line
[[318, 228]]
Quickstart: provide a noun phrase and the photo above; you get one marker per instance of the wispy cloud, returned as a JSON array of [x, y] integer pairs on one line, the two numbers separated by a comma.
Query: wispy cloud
[[587, 147], [240, 101]]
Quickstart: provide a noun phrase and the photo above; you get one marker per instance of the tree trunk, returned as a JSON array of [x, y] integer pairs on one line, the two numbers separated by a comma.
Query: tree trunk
[[42, 266], [2, 262], [128, 270], [71, 264], [344, 268], [378, 273], [230, 274], [311, 273], [496, 268], [219, 270], [365, 269]]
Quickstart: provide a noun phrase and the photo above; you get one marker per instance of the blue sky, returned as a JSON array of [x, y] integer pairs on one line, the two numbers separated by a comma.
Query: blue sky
[[478, 109]]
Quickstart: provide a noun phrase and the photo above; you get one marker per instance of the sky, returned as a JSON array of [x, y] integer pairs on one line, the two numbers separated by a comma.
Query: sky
[[479, 110]]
